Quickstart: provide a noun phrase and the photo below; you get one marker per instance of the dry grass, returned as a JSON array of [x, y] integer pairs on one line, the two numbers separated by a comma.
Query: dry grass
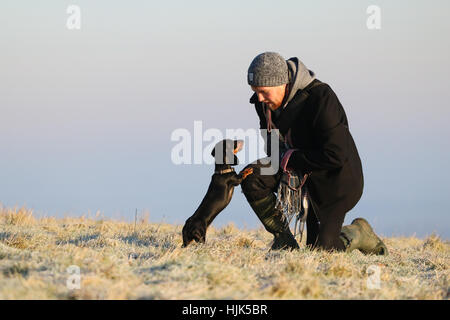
[[119, 261]]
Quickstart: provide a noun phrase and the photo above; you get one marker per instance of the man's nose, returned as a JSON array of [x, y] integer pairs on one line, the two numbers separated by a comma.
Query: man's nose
[[260, 97]]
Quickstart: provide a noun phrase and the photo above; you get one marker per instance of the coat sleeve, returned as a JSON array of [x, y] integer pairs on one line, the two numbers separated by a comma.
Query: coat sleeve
[[330, 132]]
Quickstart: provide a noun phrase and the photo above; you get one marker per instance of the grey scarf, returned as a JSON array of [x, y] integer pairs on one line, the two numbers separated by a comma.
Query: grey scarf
[[299, 77]]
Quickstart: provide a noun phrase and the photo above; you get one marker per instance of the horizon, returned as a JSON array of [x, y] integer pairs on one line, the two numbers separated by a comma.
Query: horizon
[[86, 115]]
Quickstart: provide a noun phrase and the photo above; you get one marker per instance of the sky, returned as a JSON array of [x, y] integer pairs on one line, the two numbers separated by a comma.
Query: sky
[[86, 115]]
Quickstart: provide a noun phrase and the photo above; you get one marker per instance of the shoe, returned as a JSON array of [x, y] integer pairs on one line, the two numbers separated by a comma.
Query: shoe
[[284, 240]]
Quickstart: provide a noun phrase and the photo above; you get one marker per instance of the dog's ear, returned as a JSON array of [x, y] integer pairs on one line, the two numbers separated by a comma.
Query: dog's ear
[[238, 145]]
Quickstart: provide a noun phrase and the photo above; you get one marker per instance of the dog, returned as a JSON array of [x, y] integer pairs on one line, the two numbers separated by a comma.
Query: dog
[[219, 192]]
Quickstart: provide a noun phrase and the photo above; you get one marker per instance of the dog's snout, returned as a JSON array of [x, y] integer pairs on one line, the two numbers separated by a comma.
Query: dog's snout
[[238, 146]]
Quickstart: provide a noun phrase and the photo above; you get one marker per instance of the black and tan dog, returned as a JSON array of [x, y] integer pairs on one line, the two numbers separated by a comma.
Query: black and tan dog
[[219, 192]]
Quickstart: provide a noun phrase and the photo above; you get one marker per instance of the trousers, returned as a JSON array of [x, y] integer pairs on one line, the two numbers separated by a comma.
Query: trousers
[[323, 233]]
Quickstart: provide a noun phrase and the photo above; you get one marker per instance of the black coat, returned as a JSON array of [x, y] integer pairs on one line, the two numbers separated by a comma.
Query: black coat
[[319, 129]]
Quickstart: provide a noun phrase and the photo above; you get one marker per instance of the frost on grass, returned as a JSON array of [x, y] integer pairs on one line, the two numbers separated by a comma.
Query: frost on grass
[[118, 260]]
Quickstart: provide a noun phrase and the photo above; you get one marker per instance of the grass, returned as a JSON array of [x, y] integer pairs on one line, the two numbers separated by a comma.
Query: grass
[[119, 260]]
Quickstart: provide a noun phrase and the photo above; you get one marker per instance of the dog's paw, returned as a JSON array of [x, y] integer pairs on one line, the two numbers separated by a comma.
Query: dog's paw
[[194, 230], [246, 172]]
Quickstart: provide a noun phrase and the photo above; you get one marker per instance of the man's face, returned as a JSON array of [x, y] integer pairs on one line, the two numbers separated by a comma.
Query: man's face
[[272, 96]]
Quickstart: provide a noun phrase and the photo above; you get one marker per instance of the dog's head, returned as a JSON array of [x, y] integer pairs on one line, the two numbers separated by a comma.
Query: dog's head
[[225, 151]]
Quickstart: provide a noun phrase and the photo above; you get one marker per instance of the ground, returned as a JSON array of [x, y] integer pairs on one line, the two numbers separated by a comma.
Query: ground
[[39, 259]]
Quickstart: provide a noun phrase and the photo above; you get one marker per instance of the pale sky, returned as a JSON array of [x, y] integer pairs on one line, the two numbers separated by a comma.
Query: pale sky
[[86, 115]]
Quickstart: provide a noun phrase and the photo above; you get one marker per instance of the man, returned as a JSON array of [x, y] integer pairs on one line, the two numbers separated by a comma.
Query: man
[[287, 96]]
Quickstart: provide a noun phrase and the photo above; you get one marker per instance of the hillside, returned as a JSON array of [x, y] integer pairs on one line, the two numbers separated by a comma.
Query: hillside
[[119, 260]]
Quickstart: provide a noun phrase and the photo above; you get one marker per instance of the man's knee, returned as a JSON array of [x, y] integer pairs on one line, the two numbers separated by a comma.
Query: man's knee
[[256, 186], [329, 234], [330, 242], [253, 189]]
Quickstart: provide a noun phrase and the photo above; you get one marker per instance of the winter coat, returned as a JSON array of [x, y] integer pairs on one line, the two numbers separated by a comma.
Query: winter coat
[[319, 129]]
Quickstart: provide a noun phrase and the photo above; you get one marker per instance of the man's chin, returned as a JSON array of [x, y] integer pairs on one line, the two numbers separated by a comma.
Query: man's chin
[[272, 106]]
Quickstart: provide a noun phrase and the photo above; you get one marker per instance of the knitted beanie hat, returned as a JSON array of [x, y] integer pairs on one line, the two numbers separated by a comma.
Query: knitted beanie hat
[[268, 69]]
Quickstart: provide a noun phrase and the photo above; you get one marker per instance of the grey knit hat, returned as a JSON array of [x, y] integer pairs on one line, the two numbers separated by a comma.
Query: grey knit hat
[[268, 69]]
